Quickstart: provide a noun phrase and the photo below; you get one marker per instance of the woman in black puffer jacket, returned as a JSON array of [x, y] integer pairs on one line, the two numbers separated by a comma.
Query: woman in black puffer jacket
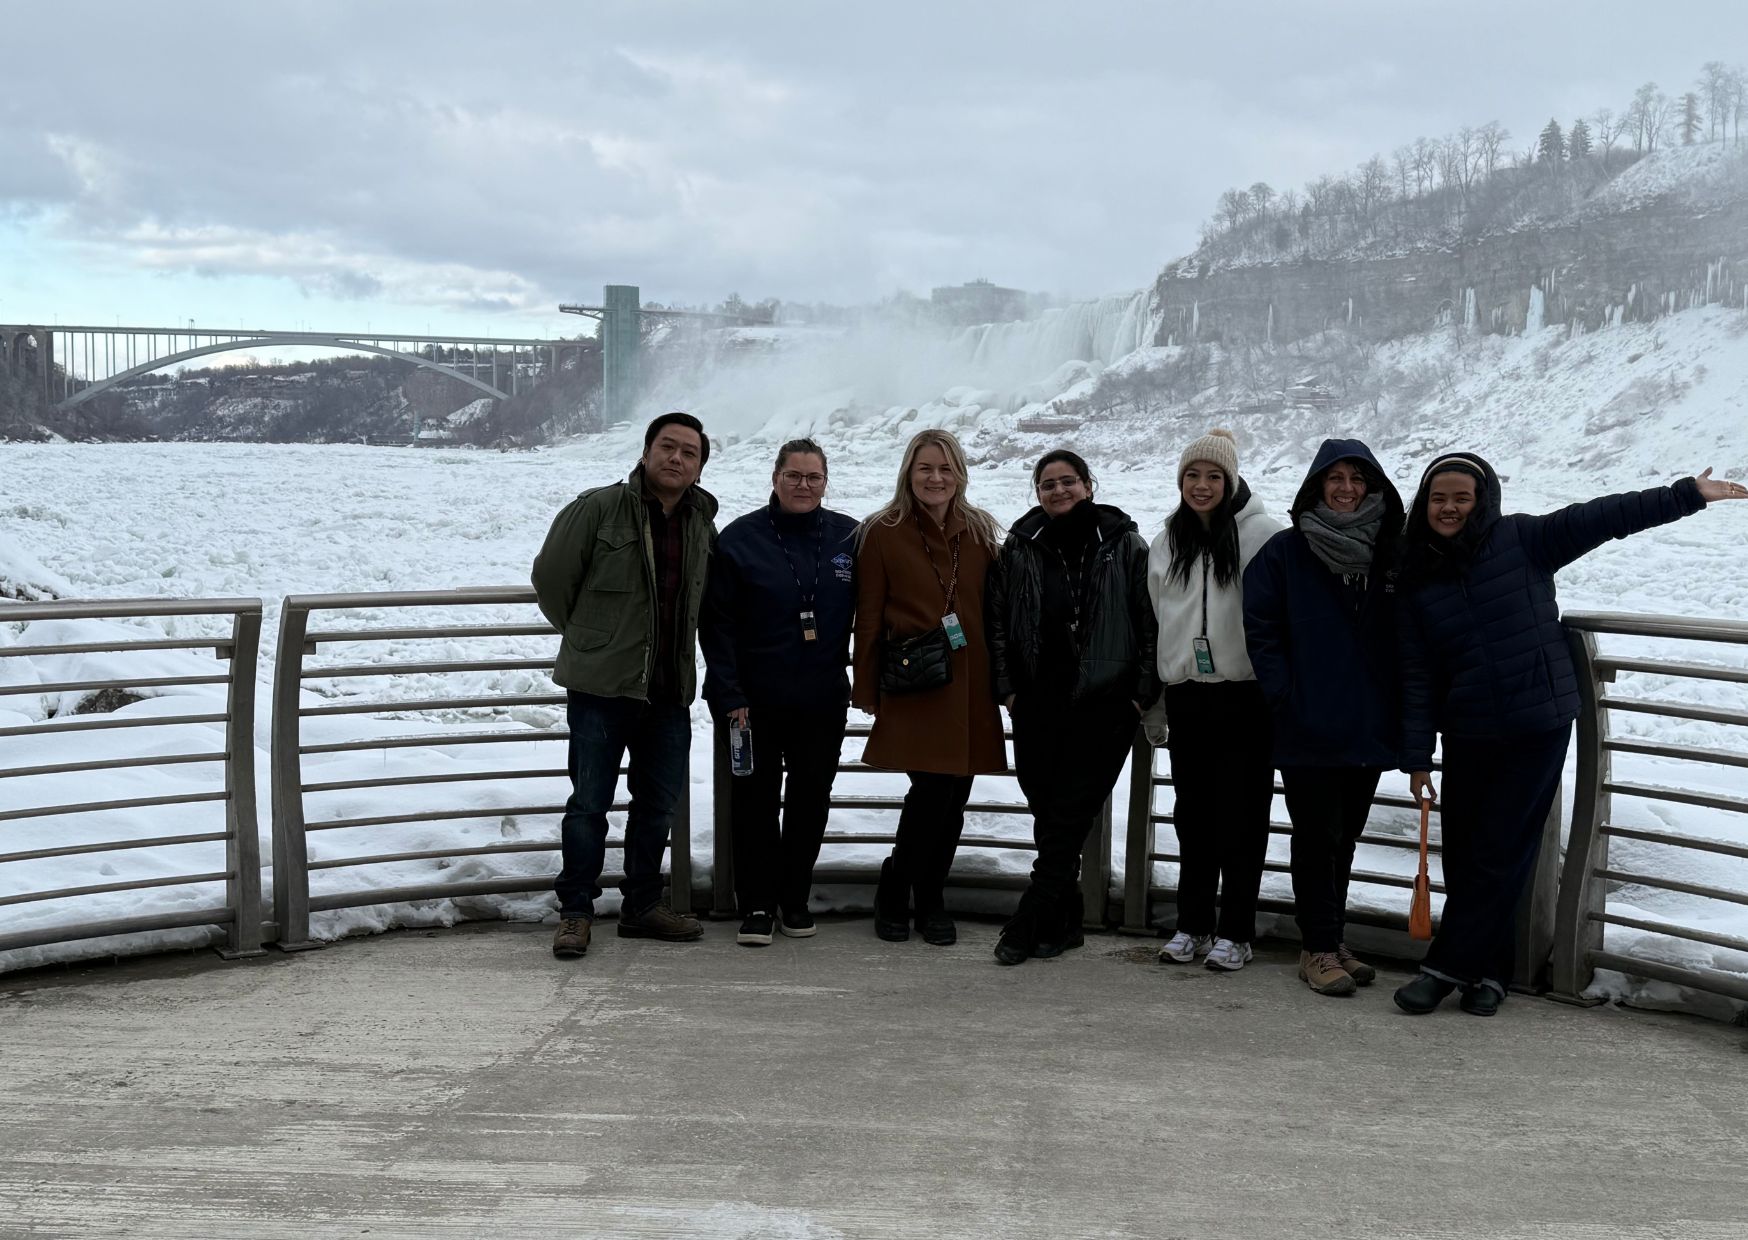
[[1071, 634], [1485, 664]]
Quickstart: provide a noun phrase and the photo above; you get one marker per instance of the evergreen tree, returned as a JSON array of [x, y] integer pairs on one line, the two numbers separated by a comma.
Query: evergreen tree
[[1578, 140], [1551, 146], [1690, 119]]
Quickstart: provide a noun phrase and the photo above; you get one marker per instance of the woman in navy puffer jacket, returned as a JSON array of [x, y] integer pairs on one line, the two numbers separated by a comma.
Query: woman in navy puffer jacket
[[1485, 664]]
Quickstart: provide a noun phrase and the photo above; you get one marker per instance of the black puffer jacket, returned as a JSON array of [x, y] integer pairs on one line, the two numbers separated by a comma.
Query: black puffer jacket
[[1118, 631], [1483, 652], [1325, 651]]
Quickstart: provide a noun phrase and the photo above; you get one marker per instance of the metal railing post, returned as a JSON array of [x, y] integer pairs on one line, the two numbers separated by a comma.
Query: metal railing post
[[291, 875], [1095, 872], [1138, 847], [1576, 934], [680, 842], [722, 902], [242, 827], [1533, 944]]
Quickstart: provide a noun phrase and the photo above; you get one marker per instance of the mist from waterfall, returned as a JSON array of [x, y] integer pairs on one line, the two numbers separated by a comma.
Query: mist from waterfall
[[784, 381]]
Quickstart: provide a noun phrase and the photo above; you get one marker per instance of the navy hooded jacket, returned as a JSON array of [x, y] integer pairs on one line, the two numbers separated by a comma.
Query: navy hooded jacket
[[1324, 650], [754, 651], [1484, 654]]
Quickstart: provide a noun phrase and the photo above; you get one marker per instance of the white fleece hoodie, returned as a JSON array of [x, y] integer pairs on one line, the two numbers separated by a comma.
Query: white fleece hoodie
[[1179, 605]]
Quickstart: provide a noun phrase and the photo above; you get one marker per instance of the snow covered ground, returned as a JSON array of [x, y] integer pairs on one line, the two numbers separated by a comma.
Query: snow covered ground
[[1562, 418]]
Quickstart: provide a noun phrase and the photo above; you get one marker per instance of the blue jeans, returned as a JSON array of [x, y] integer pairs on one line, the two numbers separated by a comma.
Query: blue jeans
[[602, 731]]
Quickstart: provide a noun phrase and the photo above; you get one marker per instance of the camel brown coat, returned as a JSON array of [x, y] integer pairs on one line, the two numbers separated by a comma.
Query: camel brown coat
[[953, 730]]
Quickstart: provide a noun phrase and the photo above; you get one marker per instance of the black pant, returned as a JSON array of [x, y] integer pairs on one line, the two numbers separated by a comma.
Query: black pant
[[774, 868], [1067, 756], [929, 827], [1223, 773], [1329, 806], [1495, 800]]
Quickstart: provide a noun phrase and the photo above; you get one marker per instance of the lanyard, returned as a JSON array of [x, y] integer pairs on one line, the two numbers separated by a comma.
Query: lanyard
[[1076, 577], [950, 591], [807, 595]]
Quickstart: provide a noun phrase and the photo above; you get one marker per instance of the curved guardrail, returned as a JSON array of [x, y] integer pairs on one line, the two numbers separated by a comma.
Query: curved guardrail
[[1594, 871], [240, 914], [292, 866]]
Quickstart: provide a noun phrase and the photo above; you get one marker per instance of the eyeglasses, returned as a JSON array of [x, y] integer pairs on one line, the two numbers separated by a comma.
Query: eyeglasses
[[1051, 484], [790, 478]]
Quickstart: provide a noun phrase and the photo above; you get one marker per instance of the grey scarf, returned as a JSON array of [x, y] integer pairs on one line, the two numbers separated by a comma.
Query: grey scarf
[[1344, 541]]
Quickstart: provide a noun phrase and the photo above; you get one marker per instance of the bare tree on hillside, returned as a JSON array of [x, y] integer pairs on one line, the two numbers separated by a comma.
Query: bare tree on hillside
[[1608, 129], [1639, 116], [1714, 88], [1402, 160], [1234, 205], [1261, 194], [1371, 186], [1490, 139], [1425, 164]]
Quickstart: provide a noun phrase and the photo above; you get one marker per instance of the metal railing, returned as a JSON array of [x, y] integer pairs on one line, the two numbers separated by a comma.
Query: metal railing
[[1570, 904], [291, 864], [240, 914], [1591, 874], [1095, 861]]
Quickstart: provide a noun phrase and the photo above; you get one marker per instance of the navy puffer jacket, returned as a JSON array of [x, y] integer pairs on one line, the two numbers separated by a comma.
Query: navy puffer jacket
[[1324, 650], [1483, 652]]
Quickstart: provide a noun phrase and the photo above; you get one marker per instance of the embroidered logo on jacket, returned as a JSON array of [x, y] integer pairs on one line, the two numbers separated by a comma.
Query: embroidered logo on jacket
[[842, 564]]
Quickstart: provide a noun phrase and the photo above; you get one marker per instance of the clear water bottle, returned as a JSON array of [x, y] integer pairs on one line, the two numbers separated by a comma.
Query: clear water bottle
[[740, 749]]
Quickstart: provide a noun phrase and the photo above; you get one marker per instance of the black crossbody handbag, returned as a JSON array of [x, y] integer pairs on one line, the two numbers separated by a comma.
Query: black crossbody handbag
[[916, 664]]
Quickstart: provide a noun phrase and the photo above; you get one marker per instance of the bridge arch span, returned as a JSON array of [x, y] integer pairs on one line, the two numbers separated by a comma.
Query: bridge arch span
[[285, 341]]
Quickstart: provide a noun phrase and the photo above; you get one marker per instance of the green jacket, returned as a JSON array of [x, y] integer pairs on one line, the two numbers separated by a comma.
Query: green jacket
[[595, 582]]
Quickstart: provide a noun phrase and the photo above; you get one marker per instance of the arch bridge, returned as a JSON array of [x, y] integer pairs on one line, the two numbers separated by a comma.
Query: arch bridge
[[74, 364]]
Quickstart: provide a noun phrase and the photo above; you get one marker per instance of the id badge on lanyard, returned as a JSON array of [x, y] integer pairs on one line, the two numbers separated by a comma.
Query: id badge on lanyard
[[809, 627], [955, 634], [1204, 656]]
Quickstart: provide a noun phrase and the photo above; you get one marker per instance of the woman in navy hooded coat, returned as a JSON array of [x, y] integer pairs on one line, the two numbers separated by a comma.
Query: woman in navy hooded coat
[[1320, 623], [1485, 664]]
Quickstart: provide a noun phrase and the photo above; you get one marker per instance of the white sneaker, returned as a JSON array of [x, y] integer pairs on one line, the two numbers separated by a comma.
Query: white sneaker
[[1228, 955], [1183, 948]]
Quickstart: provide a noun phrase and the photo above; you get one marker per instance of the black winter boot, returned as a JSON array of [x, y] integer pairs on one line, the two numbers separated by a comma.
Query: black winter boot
[[1423, 994], [892, 905], [1062, 930], [1019, 938]]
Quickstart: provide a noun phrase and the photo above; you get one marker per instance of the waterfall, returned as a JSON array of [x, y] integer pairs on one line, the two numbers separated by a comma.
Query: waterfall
[[1536, 318]]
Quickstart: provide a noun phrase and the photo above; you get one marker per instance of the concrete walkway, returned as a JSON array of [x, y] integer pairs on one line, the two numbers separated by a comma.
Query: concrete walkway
[[464, 1083]]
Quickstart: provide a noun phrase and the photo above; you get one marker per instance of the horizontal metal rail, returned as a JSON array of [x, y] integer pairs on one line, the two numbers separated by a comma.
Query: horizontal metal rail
[[433, 815], [1681, 753], [410, 705], [101, 724], [111, 764], [437, 741], [1673, 884], [427, 669], [1692, 671], [423, 633], [458, 777], [1675, 840], [238, 917], [72, 686]]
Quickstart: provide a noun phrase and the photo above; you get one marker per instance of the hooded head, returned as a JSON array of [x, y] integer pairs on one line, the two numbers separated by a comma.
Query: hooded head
[[1426, 544], [1334, 452]]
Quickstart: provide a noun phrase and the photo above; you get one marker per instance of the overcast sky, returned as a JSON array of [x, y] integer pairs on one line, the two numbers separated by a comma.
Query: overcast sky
[[465, 167]]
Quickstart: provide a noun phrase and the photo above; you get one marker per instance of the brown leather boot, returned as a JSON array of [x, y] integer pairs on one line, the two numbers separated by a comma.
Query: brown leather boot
[[1322, 972], [572, 939], [1362, 973], [658, 921]]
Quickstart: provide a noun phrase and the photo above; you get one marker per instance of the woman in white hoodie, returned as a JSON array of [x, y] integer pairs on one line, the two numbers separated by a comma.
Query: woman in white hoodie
[[1218, 734]]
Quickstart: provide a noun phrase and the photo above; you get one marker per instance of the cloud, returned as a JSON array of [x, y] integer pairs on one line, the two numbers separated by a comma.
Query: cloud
[[431, 154]]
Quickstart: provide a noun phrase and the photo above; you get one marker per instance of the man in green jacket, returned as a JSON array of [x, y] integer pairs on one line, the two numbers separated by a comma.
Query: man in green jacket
[[621, 576]]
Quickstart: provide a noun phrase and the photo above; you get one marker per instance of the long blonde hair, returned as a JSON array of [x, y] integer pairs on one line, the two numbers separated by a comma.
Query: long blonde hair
[[982, 525]]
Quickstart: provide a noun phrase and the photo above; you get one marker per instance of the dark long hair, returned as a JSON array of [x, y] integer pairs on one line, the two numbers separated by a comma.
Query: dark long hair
[[1218, 539]]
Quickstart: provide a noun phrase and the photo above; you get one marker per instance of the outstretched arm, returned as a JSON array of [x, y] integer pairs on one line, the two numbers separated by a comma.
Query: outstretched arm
[[1558, 538]]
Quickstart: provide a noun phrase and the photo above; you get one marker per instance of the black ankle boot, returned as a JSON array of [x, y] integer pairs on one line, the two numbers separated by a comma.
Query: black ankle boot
[[1423, 994], [937, 928], [1480, 1000], [1061, 927], [1019, 938], [892, 905]]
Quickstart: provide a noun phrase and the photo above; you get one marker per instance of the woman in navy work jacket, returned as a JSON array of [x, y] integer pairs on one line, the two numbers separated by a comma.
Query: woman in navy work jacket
[[1071, 634], [1320, 624], [776, 637], [1485, 664]]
